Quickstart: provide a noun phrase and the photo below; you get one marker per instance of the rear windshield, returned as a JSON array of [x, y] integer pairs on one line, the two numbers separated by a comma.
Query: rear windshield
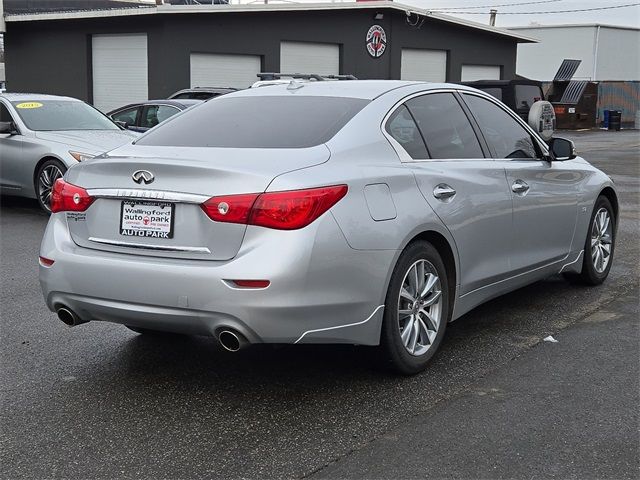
[[195, 96], [257, 122], [527, 95], [493, 91]]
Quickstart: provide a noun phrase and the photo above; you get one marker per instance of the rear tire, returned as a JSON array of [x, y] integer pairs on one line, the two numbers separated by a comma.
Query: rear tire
[[599, 245], [416, 309], [46, 176]]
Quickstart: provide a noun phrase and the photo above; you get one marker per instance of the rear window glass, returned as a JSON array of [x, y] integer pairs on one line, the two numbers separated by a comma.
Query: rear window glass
[[444, 126], [493, 91], [257, 122], [195, 96], [527, 95]]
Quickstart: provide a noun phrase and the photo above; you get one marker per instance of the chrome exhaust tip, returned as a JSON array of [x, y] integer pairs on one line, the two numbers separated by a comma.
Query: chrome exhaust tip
[[232, 341], [67, 317]]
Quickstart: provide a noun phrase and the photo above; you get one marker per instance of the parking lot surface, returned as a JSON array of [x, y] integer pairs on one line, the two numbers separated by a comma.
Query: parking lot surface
[[99, 401]]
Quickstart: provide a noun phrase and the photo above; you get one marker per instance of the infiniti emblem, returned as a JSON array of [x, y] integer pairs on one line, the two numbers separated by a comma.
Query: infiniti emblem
[[142, 176]]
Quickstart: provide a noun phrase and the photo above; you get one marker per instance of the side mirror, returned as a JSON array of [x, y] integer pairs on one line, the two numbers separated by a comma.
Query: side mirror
[[121, 124], [562, 149], [8, 128], [542, 118]]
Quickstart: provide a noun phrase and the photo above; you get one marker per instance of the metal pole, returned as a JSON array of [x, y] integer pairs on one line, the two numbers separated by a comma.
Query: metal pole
[[1, 17], [492, 17]]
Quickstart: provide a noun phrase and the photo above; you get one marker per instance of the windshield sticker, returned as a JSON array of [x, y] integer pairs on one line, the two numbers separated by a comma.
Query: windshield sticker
[[27, 105]]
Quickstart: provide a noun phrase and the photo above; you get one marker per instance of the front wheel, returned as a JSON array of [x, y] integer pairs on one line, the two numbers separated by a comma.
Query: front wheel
[[416, 309], [46, 176], [599, 244]]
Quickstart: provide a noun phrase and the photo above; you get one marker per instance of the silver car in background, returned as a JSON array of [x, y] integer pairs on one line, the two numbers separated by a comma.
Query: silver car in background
[[361, 212], [41, 136]]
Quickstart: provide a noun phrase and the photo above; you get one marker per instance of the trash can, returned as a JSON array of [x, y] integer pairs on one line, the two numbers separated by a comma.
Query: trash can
[[605, 122], [615, 118]]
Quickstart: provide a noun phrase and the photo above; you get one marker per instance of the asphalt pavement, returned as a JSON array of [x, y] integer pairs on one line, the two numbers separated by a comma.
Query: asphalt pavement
[[99, 401]]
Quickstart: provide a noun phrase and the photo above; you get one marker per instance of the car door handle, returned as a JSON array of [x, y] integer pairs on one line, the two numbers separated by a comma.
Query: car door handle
[[443, 192], [520, 186]]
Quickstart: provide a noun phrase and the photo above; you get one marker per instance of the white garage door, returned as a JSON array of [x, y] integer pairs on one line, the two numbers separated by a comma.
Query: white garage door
[[224, 70], [119, 70], [480, 72], [305, 57], [424, 65]]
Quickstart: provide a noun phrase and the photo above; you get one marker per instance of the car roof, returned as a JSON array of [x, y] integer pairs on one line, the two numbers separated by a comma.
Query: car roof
[[205, 89], [181, 103], [14, 97], [364, 89]]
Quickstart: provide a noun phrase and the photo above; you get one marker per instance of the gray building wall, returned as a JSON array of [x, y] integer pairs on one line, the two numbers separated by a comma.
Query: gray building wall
[[55, 56]]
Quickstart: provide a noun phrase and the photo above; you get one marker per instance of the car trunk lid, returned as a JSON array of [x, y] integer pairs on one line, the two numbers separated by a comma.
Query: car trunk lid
[[163, 217]]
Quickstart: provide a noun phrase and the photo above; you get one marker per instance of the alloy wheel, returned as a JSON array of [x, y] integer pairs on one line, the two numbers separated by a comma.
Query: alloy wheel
[[419, 307], [47, 178], [601, 240]]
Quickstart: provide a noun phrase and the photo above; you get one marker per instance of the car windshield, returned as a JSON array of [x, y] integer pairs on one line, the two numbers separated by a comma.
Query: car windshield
[[51, 115], [257, 122]]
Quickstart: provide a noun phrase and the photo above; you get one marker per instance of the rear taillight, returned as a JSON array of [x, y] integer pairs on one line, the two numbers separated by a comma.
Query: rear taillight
[[66, 197], [287, 210], [230, 208]]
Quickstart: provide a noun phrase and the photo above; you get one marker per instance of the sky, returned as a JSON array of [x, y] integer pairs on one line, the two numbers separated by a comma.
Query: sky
[[629, 16]]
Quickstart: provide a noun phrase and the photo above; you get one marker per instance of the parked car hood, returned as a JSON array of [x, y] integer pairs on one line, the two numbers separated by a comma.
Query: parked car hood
[[89, 141]]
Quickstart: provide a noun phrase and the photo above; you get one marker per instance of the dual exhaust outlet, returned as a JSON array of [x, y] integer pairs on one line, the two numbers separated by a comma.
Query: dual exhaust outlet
[[230, 340], [68, 317]]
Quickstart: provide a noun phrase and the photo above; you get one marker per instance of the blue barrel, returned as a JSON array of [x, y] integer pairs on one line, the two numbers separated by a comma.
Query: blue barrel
[[605, 124]]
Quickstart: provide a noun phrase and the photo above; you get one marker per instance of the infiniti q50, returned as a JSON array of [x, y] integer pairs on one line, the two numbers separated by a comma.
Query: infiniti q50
[[361, 212]]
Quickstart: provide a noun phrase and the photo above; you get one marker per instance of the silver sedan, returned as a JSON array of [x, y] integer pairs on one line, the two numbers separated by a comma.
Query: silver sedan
[[43, 135], [361, 212]]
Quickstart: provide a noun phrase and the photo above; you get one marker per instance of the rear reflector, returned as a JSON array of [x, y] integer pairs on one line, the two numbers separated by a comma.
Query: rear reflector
[[66, 197], [288, 210], [250, 283], [45, 262]]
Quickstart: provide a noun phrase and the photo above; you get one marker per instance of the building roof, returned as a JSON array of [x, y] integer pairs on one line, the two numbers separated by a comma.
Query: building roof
[[574, 25], [249, 8]]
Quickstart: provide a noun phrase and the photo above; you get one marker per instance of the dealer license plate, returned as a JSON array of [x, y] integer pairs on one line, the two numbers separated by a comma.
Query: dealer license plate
[[146, 219]]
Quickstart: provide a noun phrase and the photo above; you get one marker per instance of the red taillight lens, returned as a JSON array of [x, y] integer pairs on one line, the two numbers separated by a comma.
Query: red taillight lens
[[66, 197], [287, 210], [230, 208], [294, 209]]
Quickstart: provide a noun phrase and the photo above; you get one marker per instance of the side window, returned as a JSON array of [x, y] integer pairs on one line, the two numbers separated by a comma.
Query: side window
[[505, 136], [444, 126], [5, 116], [405, 131], [155, 114], [128, 116]]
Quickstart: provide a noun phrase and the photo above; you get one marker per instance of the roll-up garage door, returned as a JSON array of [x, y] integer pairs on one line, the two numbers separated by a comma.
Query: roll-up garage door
[[224, 70], [471, 73], [424, 65], [305, 57], [119, 64]]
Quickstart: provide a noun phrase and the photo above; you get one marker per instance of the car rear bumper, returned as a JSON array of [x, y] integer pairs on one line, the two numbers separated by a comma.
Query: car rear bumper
[[321, 290]]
